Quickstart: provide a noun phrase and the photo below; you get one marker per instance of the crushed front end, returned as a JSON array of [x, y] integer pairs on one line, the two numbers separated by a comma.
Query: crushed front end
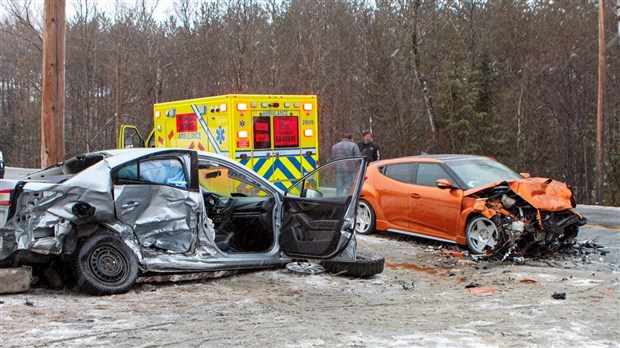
[[534, 216]]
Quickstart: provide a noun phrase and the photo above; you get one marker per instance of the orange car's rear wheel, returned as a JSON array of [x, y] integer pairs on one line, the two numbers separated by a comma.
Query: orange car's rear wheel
[[481, 234], [365, 221]]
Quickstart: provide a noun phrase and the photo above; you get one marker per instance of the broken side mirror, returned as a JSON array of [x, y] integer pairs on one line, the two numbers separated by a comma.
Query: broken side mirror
[[444, 184], [525, 175]]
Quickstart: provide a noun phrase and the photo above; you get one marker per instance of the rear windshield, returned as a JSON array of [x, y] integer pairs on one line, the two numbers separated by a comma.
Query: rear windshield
[[67, 168], [481, 171]]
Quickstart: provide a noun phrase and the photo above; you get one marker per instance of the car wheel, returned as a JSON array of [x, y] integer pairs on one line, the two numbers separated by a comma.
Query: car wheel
[[365, 220], [481, 234], [105, 265], [365, 265]]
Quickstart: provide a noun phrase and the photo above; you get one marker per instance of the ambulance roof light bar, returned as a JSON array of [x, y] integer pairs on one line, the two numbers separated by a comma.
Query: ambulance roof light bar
[[242, 106], [308, 106]]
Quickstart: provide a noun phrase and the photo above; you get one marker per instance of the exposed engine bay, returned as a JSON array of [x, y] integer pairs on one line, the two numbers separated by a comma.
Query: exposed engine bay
[[532, 217]]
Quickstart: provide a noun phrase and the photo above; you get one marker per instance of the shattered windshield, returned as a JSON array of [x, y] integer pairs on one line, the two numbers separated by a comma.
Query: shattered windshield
[[480, 171]]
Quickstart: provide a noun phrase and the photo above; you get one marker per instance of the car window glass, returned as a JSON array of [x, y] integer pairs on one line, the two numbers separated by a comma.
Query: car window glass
[[480, 172], [160, 171], [228, 182], [128, 172], [402, 172], [429, 173], [335, 179], [163, 171]]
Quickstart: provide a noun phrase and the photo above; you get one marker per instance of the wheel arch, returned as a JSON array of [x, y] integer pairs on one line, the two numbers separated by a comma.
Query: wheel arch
[[371, 198], [466, 215], [83, 232]]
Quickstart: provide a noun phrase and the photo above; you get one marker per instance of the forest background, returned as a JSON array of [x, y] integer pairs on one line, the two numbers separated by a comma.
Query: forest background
[[511, 79]]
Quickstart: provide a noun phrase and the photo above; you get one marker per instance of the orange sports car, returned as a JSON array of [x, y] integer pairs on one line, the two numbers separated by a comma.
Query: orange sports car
[[468, 200]]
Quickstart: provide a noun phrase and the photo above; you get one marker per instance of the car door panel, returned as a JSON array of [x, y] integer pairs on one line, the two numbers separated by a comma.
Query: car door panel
[[308, 227], [162, 217], [434, 211], [394, 195], [314, 223], [156, 198]]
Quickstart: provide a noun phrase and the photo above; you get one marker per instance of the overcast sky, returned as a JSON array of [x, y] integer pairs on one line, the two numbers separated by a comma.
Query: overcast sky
[[163, 8]]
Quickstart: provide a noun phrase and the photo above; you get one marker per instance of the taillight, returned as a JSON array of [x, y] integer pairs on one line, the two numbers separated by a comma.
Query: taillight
[[5, 197]]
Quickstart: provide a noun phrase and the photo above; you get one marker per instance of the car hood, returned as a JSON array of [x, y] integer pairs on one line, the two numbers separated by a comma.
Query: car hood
[[542, 193]]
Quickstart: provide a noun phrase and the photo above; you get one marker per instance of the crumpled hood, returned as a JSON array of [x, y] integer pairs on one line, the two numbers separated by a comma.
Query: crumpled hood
[[542, 193]]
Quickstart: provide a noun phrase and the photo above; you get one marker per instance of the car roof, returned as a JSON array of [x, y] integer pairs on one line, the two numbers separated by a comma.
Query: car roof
[[438, 158], [119, 156]]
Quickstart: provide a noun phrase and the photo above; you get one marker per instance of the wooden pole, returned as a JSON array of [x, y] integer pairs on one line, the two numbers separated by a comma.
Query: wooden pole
[[53, 84], [599, 114], [618, 18]]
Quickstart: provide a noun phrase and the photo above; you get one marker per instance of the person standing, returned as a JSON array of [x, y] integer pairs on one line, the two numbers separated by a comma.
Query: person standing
[[346, 173], [368, 148]]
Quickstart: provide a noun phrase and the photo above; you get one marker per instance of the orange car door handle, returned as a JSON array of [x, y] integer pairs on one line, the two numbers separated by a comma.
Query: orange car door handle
[[415, 195]]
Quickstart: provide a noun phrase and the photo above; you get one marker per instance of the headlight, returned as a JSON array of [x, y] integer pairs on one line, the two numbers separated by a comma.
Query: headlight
[[508, 202]]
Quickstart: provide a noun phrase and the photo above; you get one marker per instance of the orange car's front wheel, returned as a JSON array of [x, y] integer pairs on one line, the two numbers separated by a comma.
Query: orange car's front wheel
[[481, 234]]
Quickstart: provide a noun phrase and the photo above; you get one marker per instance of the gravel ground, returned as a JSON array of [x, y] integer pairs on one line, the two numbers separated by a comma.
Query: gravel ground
[[421, 299]]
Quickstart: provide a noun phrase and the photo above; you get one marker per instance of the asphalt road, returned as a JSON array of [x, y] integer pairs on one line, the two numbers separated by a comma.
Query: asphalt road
[[14, 173]]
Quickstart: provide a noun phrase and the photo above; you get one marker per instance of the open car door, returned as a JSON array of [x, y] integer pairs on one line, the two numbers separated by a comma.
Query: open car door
[[130, 137], [318, 218]]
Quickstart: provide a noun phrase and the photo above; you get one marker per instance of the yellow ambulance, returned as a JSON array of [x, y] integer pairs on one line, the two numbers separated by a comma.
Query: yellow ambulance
[[274, 135]]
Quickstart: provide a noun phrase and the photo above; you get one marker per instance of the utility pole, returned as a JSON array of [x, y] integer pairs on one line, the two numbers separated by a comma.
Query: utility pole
[[618, 18], [599, 113], [53, 84]]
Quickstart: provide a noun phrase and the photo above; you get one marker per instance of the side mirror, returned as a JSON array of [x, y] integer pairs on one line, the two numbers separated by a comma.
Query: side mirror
[[525, 175], [213, 174], [311, 193], [444, 184]]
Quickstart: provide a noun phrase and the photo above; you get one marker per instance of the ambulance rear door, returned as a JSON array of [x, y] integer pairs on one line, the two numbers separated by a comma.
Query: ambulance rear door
[[276, 147]]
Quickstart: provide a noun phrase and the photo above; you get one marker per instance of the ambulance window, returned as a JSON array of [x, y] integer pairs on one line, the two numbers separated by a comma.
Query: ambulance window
[[262, 132], [286, 132]]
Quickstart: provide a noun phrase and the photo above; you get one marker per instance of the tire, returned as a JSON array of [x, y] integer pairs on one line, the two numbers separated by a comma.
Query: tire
[[105, 265], [365, 220], [481, 234], [365, 265]]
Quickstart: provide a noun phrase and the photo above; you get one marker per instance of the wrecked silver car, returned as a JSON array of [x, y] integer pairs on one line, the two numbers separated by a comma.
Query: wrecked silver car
[[115, 215]]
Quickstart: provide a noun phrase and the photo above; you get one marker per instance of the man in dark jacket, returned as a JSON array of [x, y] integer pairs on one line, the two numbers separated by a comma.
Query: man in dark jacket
[[369, 148], [345, 148]]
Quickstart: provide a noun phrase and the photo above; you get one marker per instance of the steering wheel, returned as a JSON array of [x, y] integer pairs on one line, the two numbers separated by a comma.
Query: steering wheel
[[212, 200]]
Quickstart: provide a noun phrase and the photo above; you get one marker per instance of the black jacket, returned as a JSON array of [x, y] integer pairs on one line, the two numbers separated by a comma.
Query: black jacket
[[370, 151]]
